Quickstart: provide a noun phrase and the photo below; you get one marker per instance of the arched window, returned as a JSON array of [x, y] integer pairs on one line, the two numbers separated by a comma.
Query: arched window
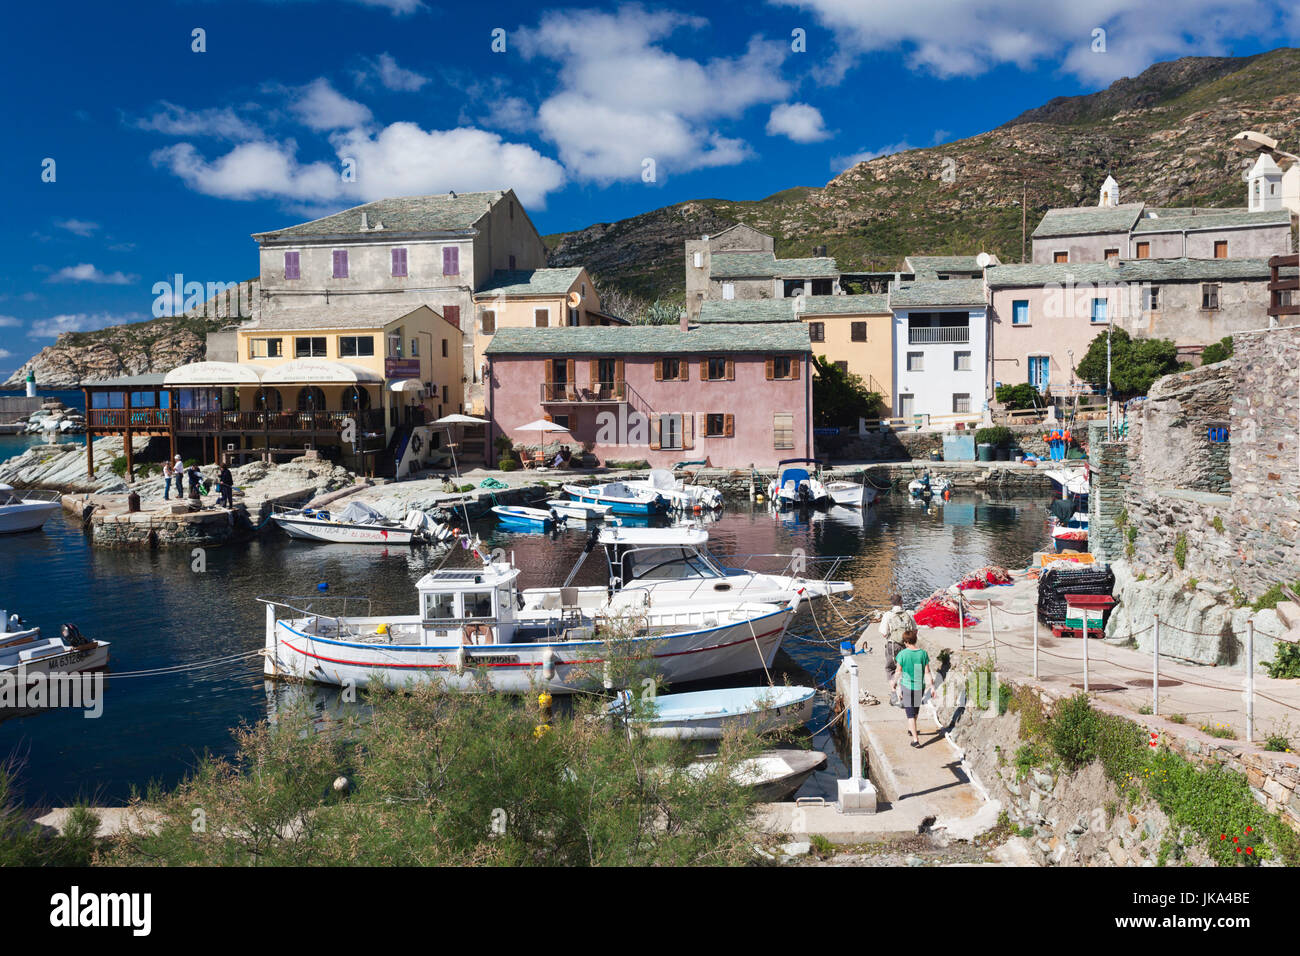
[[356, 399], [311, 398], [268, 400]]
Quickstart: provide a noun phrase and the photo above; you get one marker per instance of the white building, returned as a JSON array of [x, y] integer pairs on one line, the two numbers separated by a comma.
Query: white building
[[940, 347]]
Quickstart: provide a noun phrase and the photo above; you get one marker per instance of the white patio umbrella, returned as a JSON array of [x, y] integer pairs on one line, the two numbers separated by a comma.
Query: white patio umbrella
[[458, 419], [540, 425]]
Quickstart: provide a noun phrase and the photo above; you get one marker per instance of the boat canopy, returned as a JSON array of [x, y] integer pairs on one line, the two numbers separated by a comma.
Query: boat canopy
[[793, 474], [358, 512], [686, 536], [661, 479]]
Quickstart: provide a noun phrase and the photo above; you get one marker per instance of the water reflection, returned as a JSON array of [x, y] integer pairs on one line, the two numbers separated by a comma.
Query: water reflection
[[159, 612]]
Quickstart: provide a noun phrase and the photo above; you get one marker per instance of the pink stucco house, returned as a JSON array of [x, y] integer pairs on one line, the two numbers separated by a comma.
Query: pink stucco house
[[737, 395]]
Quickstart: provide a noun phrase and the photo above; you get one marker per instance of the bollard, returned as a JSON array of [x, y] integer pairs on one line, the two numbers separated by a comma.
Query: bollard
[[1035, 645], [961, 619], [1250, 680], [1155, 671], [993, 638]]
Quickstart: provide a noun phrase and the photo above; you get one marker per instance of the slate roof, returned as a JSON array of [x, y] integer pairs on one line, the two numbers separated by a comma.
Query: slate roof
[[1176, 220], [651, 340], [530, 282], [1080, 220], [402, 215], [748, 265], [938, 292], [783, 310], [330, 317], [1127, 270]]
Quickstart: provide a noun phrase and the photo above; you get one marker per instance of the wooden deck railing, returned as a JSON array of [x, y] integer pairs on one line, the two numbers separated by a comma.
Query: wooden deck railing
[[319, 420], [139, 417], [584, 392]]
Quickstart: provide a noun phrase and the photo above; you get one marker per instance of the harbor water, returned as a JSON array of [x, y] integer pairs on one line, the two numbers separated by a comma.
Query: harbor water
[[167, 608]]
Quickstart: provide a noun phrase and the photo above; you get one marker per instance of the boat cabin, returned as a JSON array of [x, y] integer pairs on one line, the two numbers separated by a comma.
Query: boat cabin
[[479, 601], [657, 554]]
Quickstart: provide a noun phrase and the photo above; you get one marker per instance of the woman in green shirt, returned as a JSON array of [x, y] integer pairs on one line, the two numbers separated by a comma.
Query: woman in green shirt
[[914, 674]]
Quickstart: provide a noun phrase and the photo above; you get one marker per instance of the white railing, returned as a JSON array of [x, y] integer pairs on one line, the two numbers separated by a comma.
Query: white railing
[[939, 335]]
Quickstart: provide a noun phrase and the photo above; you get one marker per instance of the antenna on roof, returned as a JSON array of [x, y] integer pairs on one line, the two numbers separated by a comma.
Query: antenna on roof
[[451, 194]]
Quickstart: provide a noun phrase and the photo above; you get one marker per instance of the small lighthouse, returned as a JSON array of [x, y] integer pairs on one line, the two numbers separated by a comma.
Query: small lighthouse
[[31, 384]]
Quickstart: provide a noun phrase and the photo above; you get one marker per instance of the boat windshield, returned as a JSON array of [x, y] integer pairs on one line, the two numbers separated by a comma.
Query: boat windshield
[[9, 498], [667, 564]]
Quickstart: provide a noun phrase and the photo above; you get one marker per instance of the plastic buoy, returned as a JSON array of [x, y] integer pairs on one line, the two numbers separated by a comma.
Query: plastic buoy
[[322, 586]]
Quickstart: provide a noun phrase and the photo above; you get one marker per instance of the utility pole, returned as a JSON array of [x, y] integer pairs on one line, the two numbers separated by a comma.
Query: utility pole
[[1109, 436]]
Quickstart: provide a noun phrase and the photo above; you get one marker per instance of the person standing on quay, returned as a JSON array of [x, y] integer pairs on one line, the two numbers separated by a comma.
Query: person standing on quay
[[168, 473], [227, 482], [916, 679]]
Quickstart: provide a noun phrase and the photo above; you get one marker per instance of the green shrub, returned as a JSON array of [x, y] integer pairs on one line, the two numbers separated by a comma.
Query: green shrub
[[1217, 351], [997, 435], [1073, 731], [1286, 664], [507, 464], [1221, 731], [119, 466], [1017, 397], [1273, 596], [1180, 551], [1030, 756], [1217, 524], [1277, 742]]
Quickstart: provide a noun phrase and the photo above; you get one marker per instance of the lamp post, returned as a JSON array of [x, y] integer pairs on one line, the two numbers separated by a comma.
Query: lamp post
[[1109, 326]]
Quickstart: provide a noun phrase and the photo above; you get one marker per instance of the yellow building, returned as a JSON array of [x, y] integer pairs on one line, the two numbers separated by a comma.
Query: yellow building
[[535, 298], [336, 377], [855, 332]]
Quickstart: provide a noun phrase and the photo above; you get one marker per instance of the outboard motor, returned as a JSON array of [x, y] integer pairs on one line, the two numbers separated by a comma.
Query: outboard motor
[[72, 634]]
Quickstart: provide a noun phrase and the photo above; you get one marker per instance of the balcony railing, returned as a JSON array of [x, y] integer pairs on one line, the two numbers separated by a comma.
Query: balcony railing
[[583, 393], [139, 418], [939, 335], [318, 420]]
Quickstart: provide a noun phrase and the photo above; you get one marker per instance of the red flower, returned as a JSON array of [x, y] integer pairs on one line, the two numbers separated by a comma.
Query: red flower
[[1250, 849], [1247, 829]]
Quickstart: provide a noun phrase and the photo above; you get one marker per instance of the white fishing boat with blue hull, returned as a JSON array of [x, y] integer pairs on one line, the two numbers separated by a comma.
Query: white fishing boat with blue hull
[[516, 518], [797, 486], [471, 635], [577, 511], [621, 498], [709, 714]]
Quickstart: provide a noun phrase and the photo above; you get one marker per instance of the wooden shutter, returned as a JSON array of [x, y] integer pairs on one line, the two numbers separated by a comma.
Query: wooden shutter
[[770, 368], [729, 426], [683, 371], [619, 371], [688, 431], [452, 314], [795, 362], [659, 370], [731, 370], [593, 373], [571, 371], [704, 425], [654, 432]]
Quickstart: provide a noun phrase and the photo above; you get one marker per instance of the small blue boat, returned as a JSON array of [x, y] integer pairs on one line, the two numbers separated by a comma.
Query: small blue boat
[[622, 499], [516, 518]]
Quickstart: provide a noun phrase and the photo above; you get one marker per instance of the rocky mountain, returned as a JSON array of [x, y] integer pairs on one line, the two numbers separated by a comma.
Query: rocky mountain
[[1165, 136], [155, 346]]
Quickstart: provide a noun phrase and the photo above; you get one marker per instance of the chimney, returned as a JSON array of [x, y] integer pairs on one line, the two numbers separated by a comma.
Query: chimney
[[685, 321], [364, 227]]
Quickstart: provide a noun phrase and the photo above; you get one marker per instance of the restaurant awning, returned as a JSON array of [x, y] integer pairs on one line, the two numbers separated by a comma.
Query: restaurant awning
[[214, 373], [319, 372], [405, 385]]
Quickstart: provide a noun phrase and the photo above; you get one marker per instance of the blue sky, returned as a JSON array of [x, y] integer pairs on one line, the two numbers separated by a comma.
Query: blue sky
[[166, 159]]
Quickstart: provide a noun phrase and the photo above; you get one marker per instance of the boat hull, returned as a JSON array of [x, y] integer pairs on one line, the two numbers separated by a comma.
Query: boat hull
[[28, 516], [560, 667], [623, 506], [706, 725], [337, 532]]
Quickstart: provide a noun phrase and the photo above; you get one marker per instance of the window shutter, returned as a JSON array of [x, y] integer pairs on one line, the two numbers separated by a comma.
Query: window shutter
[[729, 426], [683, 371], [795, 362], [659, 370], [452, 314], [593, 372], [550, 373], [451, 260], [292, 266], [771, 371], [704, 370], [654, 432], [618, 374], [688, 431], [731, 370], [704, 425], [571, 375]]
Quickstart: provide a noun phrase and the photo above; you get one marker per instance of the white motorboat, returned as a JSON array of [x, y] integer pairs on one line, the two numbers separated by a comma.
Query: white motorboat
[[470, 634], [851, 494], [678, 495], [709, 714], [621, 497], [519, 518], [359, 523], [24, 652], [1070, 482], [656, 567], [773, 775], [797, 486], [579, 511], [25, 510]]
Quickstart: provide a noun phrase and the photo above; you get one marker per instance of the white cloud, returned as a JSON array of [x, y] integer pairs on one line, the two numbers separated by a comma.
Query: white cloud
[[251, 171], [511, 113], [392, 76], [797, 121], [967, 39], [321, 107], [622, 98], [86, 272], [223, 123], [400, 160], [840, 163], [9, 322], [79, 322], [5, 353], [396, 7], [78, 227], [405, 160]]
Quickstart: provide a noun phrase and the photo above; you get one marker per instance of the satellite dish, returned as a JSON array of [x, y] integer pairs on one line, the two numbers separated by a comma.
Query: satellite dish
[[983, 260], [575, 299]]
